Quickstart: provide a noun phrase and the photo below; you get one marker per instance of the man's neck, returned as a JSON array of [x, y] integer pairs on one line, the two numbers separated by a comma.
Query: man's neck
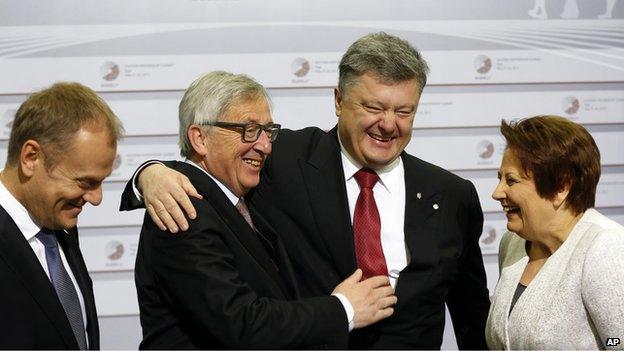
[[199, 163], [11, 180], [17, 185]]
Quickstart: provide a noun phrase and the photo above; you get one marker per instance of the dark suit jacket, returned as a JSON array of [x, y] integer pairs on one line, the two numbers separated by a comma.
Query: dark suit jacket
[[31, 316], [303, 195], [218, 286]]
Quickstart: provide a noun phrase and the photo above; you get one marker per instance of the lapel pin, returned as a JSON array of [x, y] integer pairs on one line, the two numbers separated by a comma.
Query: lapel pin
[[418, 195], [435, 206]]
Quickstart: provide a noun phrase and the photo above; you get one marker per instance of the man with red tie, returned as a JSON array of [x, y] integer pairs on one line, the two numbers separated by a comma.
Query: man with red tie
[[352, 197], [62, 145]]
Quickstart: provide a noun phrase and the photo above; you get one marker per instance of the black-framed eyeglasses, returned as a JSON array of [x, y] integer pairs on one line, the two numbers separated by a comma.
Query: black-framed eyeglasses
[[250, 130]]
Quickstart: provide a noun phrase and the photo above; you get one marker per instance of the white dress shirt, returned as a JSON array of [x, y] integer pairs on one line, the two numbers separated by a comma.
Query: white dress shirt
[[29, 229], [389, 193]]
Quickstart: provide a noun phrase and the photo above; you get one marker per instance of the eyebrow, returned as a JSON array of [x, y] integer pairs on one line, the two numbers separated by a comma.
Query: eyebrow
[[89, 179]]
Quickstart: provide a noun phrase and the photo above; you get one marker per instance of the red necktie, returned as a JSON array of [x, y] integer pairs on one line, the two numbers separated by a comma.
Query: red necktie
[[367, 227]]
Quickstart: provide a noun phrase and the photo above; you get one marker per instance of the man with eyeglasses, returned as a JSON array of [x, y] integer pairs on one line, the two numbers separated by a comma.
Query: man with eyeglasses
[[227, 282]]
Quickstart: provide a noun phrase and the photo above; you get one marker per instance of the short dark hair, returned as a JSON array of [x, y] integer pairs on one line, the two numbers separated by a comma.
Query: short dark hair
[[557, 153], [391, 58], [53, 115]]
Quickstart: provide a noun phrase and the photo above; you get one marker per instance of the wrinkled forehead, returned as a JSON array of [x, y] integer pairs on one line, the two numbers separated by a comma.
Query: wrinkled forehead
[[252, 109], [374, 79]]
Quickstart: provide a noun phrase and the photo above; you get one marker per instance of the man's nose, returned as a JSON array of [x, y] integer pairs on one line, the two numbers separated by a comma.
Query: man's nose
[[387, 121], [94, 196], [263, 144]]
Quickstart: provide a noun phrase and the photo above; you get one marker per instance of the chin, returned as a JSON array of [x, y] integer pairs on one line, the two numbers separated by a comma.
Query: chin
[[514, 229], [247, 187], [378, 162], [68, 223]]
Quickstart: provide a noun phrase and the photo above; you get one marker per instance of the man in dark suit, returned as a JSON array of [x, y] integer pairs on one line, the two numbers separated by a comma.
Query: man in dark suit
[[62, 145], [426, 221], [228, 283]]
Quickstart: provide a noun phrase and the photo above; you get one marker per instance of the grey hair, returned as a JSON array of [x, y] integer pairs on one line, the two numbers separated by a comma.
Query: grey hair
[[209, 97], [388, 56]]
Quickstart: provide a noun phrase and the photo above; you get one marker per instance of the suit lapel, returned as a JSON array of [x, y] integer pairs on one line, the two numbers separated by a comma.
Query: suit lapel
[[323, 175], [287, 283], [19, 256], [233, 219], [422, 215], [69, 241]]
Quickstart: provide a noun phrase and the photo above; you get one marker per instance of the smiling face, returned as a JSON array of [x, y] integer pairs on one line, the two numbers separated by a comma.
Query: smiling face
[[235, 163], [57, 194], [528, 214], [376, 118]]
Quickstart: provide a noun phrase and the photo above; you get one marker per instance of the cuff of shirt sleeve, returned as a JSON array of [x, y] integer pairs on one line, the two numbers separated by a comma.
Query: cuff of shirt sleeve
[[135, 179], [348, 309]]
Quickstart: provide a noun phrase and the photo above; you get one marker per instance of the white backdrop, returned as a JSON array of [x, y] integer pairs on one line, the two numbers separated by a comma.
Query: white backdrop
[[489, 60]]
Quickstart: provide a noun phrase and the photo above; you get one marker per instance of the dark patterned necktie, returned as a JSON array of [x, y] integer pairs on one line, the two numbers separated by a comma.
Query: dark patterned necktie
[[367, 227], [63, 285]]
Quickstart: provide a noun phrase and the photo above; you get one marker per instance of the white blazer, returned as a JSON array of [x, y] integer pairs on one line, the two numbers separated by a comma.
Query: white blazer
[[576, 301]]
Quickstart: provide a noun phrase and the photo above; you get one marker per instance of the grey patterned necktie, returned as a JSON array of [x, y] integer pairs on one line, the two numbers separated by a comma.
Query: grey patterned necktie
[[63, 285], [244, 211]]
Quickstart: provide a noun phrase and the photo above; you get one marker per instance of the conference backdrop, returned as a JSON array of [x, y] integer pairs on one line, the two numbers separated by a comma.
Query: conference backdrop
[[489, 60]]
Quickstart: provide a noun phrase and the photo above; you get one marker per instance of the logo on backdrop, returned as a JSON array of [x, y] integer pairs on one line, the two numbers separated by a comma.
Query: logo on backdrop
[[109, 71], [488, 236], [114, 250], [117, 162], [571, 105], [300, 67], [485, 149], [7, 118], [482, 64]]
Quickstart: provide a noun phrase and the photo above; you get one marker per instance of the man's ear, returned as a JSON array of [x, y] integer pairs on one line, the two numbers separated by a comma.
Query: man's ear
[[31, 157], [338, 101], [196, 135]]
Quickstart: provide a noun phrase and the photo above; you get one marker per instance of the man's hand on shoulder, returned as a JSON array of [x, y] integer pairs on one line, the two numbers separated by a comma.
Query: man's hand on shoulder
[[166, 195], [372, 299]]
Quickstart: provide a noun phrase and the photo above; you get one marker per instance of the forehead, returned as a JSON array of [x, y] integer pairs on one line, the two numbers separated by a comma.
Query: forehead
[[370, 86], [249, 110], [511, 163], [91, 154]]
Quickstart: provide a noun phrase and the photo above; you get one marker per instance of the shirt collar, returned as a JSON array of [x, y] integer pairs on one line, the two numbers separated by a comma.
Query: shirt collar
[[388, 175], [230, 195], [25, 223]]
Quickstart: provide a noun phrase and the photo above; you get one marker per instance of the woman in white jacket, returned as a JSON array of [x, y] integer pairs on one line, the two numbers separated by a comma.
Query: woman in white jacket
[[561, 282]]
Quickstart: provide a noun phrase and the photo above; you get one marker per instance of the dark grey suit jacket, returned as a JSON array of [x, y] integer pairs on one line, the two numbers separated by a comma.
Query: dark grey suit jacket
[[218, 285]]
